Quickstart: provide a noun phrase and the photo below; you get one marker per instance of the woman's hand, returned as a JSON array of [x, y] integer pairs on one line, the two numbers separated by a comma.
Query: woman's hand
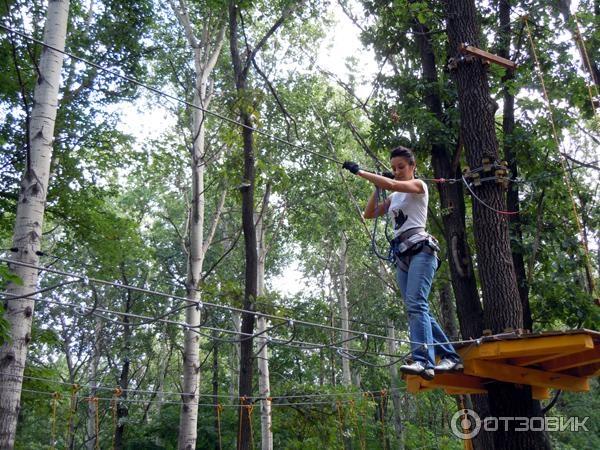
[[351, 166]]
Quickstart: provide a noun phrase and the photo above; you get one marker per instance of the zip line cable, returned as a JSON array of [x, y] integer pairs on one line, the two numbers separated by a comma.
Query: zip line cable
[[201, 304], [169, 96], [215, 114], [191, 105]]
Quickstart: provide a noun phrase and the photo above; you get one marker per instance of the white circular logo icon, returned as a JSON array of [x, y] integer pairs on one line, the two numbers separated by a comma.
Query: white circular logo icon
[[465, 424]]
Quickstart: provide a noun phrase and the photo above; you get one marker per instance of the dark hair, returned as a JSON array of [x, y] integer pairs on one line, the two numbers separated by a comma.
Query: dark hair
[[403, 152]]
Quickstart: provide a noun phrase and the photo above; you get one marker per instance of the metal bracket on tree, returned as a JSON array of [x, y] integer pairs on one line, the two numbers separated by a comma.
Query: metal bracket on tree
[[497, 171]]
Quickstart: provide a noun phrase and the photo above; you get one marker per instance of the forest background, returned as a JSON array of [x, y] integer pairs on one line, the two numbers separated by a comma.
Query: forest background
[[121, 207]]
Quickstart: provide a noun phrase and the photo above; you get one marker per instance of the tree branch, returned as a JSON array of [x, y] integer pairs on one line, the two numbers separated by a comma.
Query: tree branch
[[215, 222]]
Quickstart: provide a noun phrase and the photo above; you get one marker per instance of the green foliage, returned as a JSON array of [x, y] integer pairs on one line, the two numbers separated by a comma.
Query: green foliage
[[117, 209]]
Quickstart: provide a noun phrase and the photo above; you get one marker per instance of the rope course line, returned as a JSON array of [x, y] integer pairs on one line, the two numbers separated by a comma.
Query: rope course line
[[266, 304], [290, 343], [586, 61], [117, 392], [171, 402], [86, 280], [563, 162]]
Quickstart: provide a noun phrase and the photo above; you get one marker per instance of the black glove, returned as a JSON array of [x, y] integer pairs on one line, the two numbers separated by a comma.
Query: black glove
[[387, 174], [351, 166]]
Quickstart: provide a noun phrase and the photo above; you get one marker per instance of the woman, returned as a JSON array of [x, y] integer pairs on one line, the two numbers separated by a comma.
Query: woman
[[415, 257]]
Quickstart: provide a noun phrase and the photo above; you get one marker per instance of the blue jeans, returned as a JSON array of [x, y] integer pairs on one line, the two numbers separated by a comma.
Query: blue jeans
[[415, 286]]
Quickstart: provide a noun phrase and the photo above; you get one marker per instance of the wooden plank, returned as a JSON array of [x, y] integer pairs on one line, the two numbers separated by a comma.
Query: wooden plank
[[540, 393], [531, 360], [525, 375], [471, 50], [573, 360], [459, 383], [463, 391], [455, 380], [592, 370], [413, 383], [528, 347]]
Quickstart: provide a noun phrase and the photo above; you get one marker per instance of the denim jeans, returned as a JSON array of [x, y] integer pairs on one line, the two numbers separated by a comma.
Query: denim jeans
[[415, 286]]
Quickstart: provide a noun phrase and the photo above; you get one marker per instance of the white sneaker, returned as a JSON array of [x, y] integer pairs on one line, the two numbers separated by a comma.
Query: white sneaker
[[417, 368], [448, 365]]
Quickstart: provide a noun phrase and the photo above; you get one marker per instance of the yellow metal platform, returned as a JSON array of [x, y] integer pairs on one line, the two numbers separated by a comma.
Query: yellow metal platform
[[549, 360]]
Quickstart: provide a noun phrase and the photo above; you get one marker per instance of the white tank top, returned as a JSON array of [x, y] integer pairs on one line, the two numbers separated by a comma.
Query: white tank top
[[408, 210]]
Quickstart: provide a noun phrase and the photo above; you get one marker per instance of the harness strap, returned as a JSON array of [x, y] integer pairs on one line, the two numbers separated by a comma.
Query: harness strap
[[411, 242]]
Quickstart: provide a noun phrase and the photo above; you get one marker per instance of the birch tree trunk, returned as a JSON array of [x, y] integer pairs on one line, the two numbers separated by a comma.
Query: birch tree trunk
[[392, 349], [343, 299], [264, 386], [29, 220], [236, 354], [206, 51]]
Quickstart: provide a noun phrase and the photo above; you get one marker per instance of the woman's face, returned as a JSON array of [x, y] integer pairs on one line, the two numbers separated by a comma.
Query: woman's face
[[402, 169]]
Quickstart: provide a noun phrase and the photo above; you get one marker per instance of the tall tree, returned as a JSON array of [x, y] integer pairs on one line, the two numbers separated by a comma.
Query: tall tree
[[242, 62], [501, 300], [206, 47], [30, 219], [508, 128]]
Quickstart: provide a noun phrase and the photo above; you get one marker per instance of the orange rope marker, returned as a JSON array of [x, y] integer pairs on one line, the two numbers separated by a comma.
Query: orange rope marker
[[72, 410], [55, 399]]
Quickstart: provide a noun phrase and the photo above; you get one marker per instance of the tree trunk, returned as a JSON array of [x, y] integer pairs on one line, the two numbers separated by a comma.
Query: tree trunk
[[29, 220], [122, 406], [206, 52], [248, 227], [240, 71], [343, 299], [264, 386], [512, 197], [215, 393], [445, 165], [448, 312], [392, 349], [501, 301], [92, 431]]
